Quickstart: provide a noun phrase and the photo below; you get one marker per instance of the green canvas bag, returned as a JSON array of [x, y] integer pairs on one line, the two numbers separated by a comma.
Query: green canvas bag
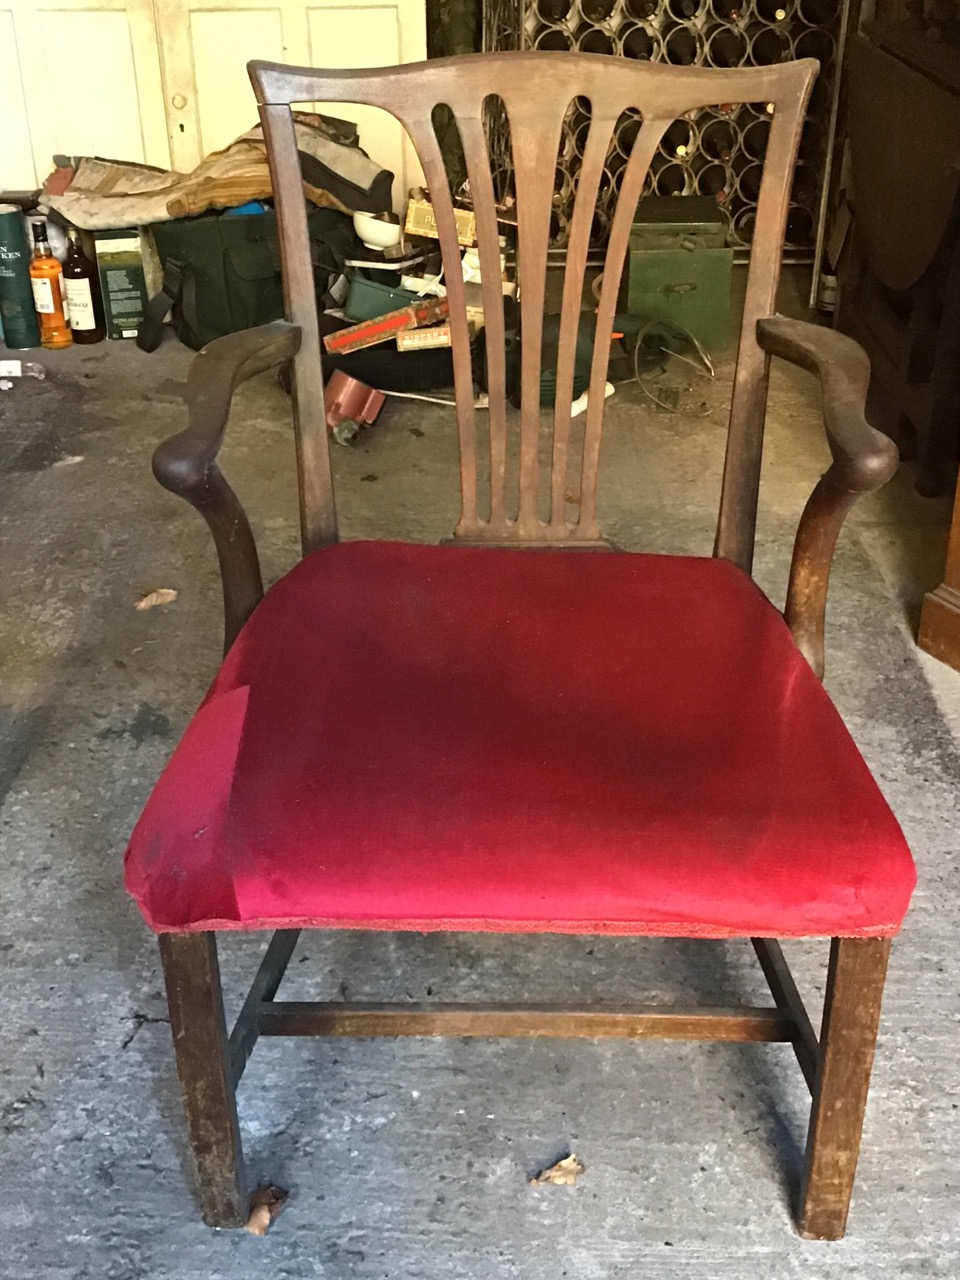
[[221, 272]]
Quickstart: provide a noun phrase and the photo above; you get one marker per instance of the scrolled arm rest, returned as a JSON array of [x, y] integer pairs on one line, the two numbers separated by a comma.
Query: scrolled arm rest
[[863, 460], [186, 464]]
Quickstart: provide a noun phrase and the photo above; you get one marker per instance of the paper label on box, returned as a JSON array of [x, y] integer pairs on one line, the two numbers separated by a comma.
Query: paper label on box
[[117, 244]]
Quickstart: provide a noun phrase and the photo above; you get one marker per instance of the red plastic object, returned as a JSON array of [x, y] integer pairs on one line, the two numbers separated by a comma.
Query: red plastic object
[[348, 401]]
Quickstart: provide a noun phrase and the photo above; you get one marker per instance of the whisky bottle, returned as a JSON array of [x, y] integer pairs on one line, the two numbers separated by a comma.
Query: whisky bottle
[[46, 279], [83, 294]]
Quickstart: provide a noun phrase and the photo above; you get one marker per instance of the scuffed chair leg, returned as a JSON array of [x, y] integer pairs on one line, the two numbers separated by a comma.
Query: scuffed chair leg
[[851, 1015], [203, 1062]]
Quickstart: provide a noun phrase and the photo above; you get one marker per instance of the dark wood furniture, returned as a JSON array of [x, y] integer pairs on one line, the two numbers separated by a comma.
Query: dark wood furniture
[[940, 616], [900, 295], [900, 285], [519, 506]]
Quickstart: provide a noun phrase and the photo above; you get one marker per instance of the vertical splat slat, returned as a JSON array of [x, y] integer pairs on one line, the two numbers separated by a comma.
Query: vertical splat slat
[[588, 185], [647, 140], [424, 138], [318, 517], [474, 143], [535, 128]]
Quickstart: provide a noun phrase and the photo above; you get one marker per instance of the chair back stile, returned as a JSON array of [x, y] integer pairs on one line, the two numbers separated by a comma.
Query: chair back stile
[[537, 509]]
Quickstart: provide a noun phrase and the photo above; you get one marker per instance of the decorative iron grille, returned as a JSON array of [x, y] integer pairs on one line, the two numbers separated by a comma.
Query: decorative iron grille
[[714, 152]]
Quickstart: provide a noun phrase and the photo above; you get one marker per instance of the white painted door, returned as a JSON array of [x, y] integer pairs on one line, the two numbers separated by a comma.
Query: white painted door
[[205, 45], [78, 77], [164, 82]]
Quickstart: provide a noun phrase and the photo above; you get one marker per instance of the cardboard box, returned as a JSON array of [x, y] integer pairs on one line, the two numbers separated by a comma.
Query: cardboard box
[[422, 221], [119, 257], [370, 332], [437, 335]]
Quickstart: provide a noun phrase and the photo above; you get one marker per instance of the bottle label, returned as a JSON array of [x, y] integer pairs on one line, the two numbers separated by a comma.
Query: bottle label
[[43, 297], [80, 300]]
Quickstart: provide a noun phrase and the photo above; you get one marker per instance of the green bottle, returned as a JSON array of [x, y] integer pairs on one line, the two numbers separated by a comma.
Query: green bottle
[[16, 295]]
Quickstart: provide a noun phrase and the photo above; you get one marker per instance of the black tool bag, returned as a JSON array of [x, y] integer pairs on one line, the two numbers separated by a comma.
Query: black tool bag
[[221, 272]]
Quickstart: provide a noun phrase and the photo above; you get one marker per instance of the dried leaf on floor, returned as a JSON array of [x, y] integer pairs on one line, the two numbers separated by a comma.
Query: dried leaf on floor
[[562, 1174], [150, 599], [265, 1203]]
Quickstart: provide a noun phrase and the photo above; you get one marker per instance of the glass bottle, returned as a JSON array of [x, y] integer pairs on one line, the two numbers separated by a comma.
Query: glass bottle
[[755, 138], [771, 11], [718, 140], [83, 294], [714, 180], [553, 11], [727, 48], [819, 13], [681, 47], [639, 43], [676, 141], [46, 279]]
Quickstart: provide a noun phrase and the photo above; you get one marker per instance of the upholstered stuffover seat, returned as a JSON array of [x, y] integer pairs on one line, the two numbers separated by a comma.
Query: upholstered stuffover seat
[[413, 737]]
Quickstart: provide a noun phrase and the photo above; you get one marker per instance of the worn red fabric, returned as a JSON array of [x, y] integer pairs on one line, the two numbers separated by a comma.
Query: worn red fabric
[[413, 737]]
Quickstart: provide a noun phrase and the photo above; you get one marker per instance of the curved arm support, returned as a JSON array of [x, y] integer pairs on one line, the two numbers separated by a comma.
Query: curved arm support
[[186, 463], [863, 460]]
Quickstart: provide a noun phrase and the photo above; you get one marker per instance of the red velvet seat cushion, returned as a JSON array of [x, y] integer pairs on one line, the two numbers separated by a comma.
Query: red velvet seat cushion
[[413, 737]]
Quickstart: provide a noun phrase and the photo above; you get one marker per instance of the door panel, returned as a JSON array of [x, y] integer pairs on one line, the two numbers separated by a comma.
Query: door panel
[[78, 77], [205, 45], [17, 169], [225, 102], [164, 81], [342, 36]]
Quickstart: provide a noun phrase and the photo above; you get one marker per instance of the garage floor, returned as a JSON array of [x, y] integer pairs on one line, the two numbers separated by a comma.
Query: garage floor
[[412, 1158]]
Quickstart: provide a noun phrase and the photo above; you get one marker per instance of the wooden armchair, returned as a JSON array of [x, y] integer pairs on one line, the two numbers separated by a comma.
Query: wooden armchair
[[599, 743]]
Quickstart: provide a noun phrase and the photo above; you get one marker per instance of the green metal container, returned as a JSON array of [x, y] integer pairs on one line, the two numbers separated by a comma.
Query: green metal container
[[20, 328], [369, 299], [679, 270]]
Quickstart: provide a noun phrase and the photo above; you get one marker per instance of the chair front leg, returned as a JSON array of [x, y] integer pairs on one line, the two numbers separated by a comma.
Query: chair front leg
[[199, 1028], [851, 1015]]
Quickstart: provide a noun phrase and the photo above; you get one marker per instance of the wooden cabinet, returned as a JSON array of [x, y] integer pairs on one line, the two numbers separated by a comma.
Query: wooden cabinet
[[164, 81]]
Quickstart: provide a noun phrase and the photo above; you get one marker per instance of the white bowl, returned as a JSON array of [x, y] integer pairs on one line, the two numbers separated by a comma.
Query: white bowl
[[375, 233]]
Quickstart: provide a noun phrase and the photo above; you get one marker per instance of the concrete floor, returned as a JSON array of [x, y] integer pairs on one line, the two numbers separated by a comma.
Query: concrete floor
[[411, 1159]]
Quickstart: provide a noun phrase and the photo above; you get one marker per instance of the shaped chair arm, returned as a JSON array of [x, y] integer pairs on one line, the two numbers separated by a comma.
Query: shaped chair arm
[[863, 460], [186, 463]]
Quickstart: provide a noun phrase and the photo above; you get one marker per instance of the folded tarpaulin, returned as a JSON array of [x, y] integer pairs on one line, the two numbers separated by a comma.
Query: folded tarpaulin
[[337, 173]]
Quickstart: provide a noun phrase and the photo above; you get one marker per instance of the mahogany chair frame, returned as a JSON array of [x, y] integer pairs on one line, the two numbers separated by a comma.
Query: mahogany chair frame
[[535, 89]]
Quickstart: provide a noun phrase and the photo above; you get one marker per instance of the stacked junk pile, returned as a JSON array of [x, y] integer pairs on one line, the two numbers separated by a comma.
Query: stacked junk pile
[[135, 252]]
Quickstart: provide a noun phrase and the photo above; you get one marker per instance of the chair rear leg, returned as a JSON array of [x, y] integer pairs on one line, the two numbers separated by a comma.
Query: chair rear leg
[[851, 1015], [199, 1029]]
